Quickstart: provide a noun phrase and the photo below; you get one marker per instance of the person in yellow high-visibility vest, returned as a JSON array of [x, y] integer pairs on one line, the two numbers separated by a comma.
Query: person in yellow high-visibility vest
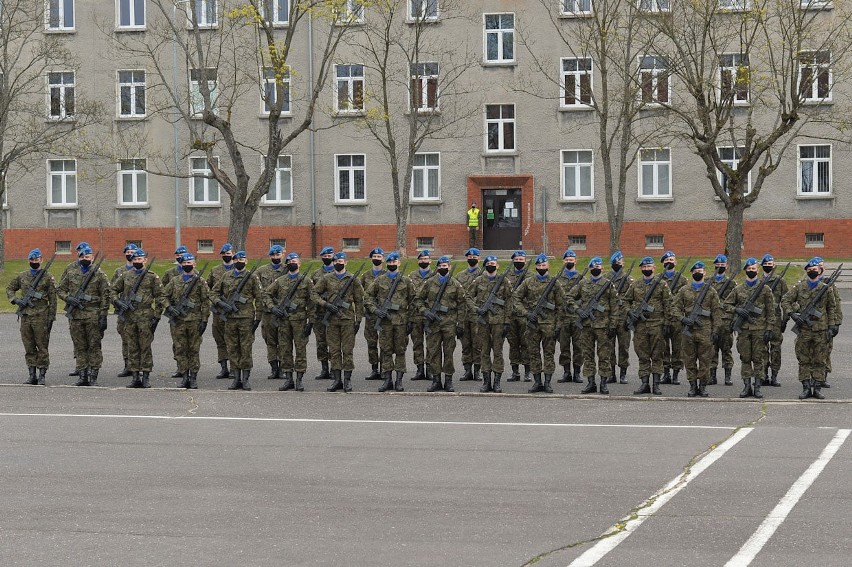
[[473, 215]]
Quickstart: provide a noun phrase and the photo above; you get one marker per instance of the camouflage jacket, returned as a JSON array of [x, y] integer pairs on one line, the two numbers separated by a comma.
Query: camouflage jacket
[[660, 302], [525, 299], [583, 294], [403, 297], [251, 293], [303, 307], [454, 299], [98, 289], [740, 296], [685, 299], [467, 278], [801, 294], [44, 307], [326, 290], [481, 288], [199, 296], [152, 298], [266, 275]]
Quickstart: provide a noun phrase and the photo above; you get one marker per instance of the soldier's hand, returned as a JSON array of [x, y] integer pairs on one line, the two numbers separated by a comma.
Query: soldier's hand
[[224, 305], [481, 311], [308, 328], [255, 325], [685, 322], [800, 321], [279, 311], [357, 326], [73, 302], [556, 332], [381, 313], [767, 336], [459, 332], [611, 332], [171, 312], [532, 319], [714, 338], [431, 315], [833, 330], [154, 322], [409, 328], [784, 324], [331, 307], [202, 326], [742, 312], [102, 323], [15, 301], [667, 331], [505, 330]]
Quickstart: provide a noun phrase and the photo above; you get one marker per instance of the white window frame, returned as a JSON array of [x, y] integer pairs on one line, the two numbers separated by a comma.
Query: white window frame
[[64, 176], [132, 86], [282, 182], [351, 12], [209, 184], [207, 12], [137, 176], [501, 34], [195, 97], [734, 5], [578, 76], [424, 77], [269, 92], [814, 162], [655, 72], [423, 11], [821, 67], [352, 171], [277, 21], [656, 164], [349, 81], [731, 161], [576, 171], [815, 4], [61, 15], [64, 93], [655, 6], [426, 171], [575, 8], [501, 122], [730, 67], [131, 9]]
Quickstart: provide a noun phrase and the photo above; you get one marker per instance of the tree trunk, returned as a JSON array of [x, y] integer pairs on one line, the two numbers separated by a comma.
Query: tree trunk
[[734, 234], [238, 227], [2, 244], [401, 237]]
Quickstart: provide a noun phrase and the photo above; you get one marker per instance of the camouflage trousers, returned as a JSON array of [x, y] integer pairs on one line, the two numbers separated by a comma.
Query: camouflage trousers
[[239, 339], [187, 344], [541, 348], [812, 352], [673, 348], [36, 339], [340, 334], [119, 326], [469, 344], [648, 345], [393, 341], [490, 344], [139, 339], [440, 346], [596, 342], [518, 351], [292, 345], [418, 341], [621, 352], [774, 349], [726, 343], [570, 345], [372, 338], [321, 336], [269, 332], [752, 352], [696, 351], [218, 330], [86, 337]]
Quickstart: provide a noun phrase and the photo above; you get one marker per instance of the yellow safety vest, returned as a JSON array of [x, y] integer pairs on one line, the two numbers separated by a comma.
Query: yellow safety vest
[[473, 217]]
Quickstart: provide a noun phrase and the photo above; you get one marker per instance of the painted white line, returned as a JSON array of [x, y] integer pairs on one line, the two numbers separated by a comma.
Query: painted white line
[[378, 421], [649, 507], [776, 517]]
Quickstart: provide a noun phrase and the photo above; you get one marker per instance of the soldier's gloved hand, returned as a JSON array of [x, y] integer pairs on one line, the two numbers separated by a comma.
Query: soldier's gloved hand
[[381, 313], [255, 325], [431, 315], [308, 328], [784, 324], [481, 311], [742, 312], [532, 319], [833, 330], [584, 314], [331, 307], [409, 328], [611, 332], [357, 326], [115, 303], [15, 300], [49, 326], [279, 311], [800, 321], [667, 331], [459, 332], [556, 332], [171, 312], [685, 322], [714, 338], [154, 322], [767, 336], [202, 326], [102, 323], [73, 302], [223, 305], [505, 330]]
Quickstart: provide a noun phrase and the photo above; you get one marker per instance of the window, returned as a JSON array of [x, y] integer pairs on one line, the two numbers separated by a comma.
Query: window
[[280, 10], [350, 88], [500, 127], [734, 78], [500, 38], [655, 173], [654, 241], [282, 242], [60, 15], [281, 187], [137, 243], [654, 79], [814, 240], [351, 12], [655, 6], [61, 93], [351, 244], [131, 94], [204, 12], [423, 242], [576, 7], [814, 170], [131, 14], [577, 179], [350, 177], [577, 241], [815, 4], [576, 82], [733, 5], [62, 182], [204, 246], [203, 188], [196, 99], [423, 9], [424, 87], [815, 77], [132, 182], [426, 177], [731, 156], [62, 246], [270, 93]]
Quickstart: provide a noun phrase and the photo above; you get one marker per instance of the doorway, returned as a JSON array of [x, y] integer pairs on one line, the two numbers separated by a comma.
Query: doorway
[[501, 213]]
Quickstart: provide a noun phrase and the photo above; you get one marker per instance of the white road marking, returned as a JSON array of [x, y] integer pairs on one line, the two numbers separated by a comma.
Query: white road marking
[[649, 507], [776, 517], [378, 421]]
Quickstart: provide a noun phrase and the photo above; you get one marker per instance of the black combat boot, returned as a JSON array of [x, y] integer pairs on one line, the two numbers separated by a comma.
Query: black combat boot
[[75, 372], [436, 385], [388, 383], [275, 370], [375, 374], [548, 389], [136, 381], [806, 390], [566, 375], [298, 385], [126, 372], [756, 390], [496, 388], [537, 385], [773, 379], [177, 374], [337, 385], [237, 383], [747, 387], [702, 390], [675, 380], [604, 389], [693, 389], [347, 381], [146, 379], [655, 385], [578, 376], [516, 375], [486, 383], [185, 382], [397, 385], [41, 376], [193, 379], [468, 373], [667, 376], [713, 380], [645, 388], [527, 373], [591, 387], [765, 380], [83, 373], [825, 383], [324, 373], [31, 379], [817, 386], [448, 383], [288, 382], [93, 376], [728, 380], [476, 369], [622, 376], [245, 378], [223, 372], [421, 373], [611, 379]]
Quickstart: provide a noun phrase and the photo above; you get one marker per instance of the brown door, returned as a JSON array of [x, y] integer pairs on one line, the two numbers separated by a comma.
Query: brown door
[[501, 218]]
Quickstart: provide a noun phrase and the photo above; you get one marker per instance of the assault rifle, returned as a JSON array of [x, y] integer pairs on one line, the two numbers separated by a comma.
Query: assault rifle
[[287, 306], [810, 313], [693, 320], [338, 299], [588, 311], [437, 311], [30, 295], [620, 287], [749, 307], [724, 289], [492, 299], [79, 297], [184, 304], [542, 304], [521, 277], [775, 283], [132, 300], [228, 306], [677, 276], [641, 312], [388, 305]]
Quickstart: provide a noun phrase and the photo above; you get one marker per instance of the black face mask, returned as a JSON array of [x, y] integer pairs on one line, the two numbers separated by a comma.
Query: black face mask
[[647, 273], [326, 261], [721, 270], [239, 266], [340, 267], [519, 265], [275, 261], [751, 274], [669, 266], [595, 272], [35, 265], [472, 262], [293, 266], [813, 274], [377, 262], [128, 257], [569, 265], [616, 267], [87, 263], [490, 269], [541, 271], [698, 276], [423, 265], [138, 265], [767, 269], [187, 269], [227, 259], [443, 271], [392, 267]]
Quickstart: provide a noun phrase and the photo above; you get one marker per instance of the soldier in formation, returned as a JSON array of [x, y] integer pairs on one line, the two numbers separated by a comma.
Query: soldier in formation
[[778, 287], [596, 312], [371, 335], [570, 346], [649, 312], [724, 286], [218, 326], [266, 275], [621, 281], [469, 345], [128, 252], [187, 300], [518, 355], [417, 324], [323, 353], [491, 294], [171, 273], [672, 359]]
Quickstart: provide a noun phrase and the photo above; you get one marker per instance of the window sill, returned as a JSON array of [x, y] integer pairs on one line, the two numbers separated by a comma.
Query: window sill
[[816, 6], [351, 203], [60, 30], [131, 118], [574, 15], [67, 120], [126, 29], [203, 27], [499, 63], [349, 113], [422, 202], [576, 108], [424, 112], [353, 23], [427, 20], [655, 199], [275, 205], [283, 115], [816, 197], [133, 206], [500, 153], [204, 205], [62, 207], [577, 201], [817, 102]]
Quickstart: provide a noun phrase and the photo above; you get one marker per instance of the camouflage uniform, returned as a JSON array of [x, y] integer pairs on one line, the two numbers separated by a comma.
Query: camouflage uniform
[[570, 346], [393, 337], [267, 274], [469, 342], [773, 360], [119, 326], [340, 331], [37, 319], [621, 352], [541, 339], [85, 333], [648, 332], [240, 325], [597, 330], [168, 276], [218, 326], [494, 329], [291, 328], [751, 340], [139, 321], [697, 348], [320, 331], [835, 294], [186, 330], [518, 353], [672, 346], [370, 333], [812, 343], [725, 341], [418, 331], [441, 334]]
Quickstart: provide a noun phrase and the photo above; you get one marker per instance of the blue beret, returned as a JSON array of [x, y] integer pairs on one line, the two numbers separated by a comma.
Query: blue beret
[[186, 257], [181, 250], [340, 255], [376, 250], [667, 254], [276, 249], [720, 259], [819, 259], [83, 251], [82, 245], [519, 253], [766, 258], [34, 253], [227, 247], [139, 253], [813, 262], [490, 259], [750, 261], [699, 265], [617, 256], [240, 254], [472, 252], [423, 253], [292, 256], [327, 250], [444, 260], [569, 254], [130, 247], [595, 260], [541, 259], [646, 261], [392, 256]]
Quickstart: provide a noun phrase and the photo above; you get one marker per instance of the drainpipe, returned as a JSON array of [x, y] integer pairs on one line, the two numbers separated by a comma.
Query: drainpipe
[[312, 142]]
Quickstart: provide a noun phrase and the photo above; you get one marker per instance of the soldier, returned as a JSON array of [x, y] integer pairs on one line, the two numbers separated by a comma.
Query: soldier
[[36, 314], [377, 257], [598, 325], [416, 323], [226, 267], [141, 315], [292, 320], [620, 354], [492, 320], [266, 275], [838, 310], [672, 359], [174, 272], [242, 317], [698, 334], [470, 347], [75, 265], [570, 349], [773, 360], [815, 332], [393, 336], [88, 319], [443, 303], [343, 322], [649, 310], [327, 257], [518, 354], [119, 272], [187, 323], [724, 287], [757, 327]]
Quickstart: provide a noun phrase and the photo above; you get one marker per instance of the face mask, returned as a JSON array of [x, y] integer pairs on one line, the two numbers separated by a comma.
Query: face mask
[[292, 266], [275, 261], [616, 267], [129, 257], [326, 261], [751, 274], [443, 271], [187, 269], [377, 262], [423, 265], [87, 263], [698, 276], [595, 272], [541, 271], [138, 265], [519, 265], [813, 274], [647, 273], [569, 265], [767, 269], [472, 262], [669, 265], [490, 269], [340, 267], [35, 265], [721, 270], [227, 259], [239, 266], [392, 267]]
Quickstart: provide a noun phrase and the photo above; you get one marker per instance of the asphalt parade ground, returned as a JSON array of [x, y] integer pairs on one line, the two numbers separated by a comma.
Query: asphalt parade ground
[[116, 476]]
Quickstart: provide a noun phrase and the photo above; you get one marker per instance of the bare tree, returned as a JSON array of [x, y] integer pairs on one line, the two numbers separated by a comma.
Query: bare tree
[[29, 60]]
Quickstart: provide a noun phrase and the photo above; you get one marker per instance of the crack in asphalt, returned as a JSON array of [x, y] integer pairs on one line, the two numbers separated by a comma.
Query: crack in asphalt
[[193, 405]]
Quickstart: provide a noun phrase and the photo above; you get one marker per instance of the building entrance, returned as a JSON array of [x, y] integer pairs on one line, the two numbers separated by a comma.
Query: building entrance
[[501, 219]]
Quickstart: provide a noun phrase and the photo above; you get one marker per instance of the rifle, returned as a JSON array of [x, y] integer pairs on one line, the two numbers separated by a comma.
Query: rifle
[[676, 277], [639, 314], [620, 287], [387, 304], [338, 300], [521, 277], [228, 306], [541, 304], [80, 296], [437, 308], [692, 320], [588, 312], [492, 299], [750, 307], [30, 295], [775, 283], [132, 300], [726, 285], [810, 313], [184, 305], [287, 306]]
